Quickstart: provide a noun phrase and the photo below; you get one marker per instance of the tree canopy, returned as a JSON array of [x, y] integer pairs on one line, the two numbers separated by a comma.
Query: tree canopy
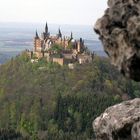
[[46, 101]]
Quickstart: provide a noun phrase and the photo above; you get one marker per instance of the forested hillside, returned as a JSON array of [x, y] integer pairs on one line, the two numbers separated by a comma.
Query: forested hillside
[[44, 101]]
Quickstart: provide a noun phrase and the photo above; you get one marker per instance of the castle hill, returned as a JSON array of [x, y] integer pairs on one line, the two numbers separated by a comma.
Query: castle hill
[[64, 50]]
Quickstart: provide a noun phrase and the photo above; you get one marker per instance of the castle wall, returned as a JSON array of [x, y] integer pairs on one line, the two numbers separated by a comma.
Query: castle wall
[[84, 59], [47, 55], [29, 53], [60, 61], [39, 54], [38, 45]]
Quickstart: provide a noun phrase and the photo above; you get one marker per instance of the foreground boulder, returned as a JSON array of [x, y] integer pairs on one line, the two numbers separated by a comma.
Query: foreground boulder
[[119, 122], [119, 31]]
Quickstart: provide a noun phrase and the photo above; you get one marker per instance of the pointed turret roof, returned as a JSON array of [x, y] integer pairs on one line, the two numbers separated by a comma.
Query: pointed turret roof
[[37, 37], [71, 36], [46, 28], [59, 33], [81, 40]]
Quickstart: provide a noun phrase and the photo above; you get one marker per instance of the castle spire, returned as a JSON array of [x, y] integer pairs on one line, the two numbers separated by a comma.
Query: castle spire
[[81, 40], [37, 37], [59, 33], [46, 28], [71, 36]]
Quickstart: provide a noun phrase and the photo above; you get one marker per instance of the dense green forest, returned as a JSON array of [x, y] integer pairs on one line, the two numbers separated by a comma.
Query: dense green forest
[[45, 101]]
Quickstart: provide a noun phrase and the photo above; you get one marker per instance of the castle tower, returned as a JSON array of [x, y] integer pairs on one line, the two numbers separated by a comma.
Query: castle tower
[[78, 47], [65, 42], [82, 44], [37, 43]]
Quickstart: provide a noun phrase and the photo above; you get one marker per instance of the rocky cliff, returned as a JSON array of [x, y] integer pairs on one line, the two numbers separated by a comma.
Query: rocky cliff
[[119, 31], [119, 122]]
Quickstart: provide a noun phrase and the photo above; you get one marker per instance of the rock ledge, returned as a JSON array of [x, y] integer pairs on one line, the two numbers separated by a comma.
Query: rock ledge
[[119, 122]]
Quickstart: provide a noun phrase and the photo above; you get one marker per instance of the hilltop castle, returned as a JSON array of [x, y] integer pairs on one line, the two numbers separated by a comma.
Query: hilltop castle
[[60, 49]]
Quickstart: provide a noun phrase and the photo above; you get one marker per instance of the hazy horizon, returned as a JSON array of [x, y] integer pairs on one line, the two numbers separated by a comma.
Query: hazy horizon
[[43, 22]]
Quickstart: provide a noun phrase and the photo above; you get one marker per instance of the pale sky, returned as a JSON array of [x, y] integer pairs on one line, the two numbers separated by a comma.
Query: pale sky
[[84, 12]]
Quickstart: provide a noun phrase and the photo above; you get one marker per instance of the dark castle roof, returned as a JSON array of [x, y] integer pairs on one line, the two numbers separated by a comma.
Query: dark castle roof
[[36, 37], [46, 28]]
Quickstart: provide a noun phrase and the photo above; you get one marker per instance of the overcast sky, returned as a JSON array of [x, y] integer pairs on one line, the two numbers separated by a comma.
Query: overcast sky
[[83, 12]]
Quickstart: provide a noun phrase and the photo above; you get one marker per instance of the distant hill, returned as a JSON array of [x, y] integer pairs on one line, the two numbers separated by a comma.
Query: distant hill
[[46, 101], [3, 58]]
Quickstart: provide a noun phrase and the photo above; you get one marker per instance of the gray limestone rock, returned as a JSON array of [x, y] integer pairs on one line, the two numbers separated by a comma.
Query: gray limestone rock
[[119, 31], [119, 122]]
